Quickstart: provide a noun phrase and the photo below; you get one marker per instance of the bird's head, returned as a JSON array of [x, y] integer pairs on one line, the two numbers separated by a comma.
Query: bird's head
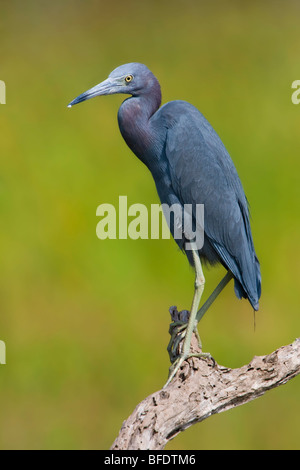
[[131, 79]]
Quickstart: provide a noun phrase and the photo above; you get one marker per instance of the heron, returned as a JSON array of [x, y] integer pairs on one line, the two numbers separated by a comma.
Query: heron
[[190, 165]]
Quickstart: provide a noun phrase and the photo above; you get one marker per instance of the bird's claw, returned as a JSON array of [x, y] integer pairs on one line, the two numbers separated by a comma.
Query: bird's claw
[[177, 331], [175, 348], [176, 365]]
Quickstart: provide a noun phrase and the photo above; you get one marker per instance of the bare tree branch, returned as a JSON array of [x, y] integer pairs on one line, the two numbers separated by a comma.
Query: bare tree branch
[[200, 390]]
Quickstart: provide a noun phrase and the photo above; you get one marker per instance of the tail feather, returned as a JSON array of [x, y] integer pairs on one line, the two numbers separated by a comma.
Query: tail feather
[[249, 285]]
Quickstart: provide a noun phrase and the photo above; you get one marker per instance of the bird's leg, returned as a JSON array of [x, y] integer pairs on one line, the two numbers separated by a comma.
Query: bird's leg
[[178, 329], [199, 288], [187, 332], [223, 283]]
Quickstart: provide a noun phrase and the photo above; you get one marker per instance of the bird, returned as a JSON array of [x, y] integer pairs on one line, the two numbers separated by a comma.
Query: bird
[[190, 165]]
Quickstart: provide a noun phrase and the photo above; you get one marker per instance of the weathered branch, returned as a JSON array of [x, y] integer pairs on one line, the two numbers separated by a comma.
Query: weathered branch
[[200, 390]]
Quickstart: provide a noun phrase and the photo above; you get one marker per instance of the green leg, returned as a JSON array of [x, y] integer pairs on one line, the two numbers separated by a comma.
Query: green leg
[[199, 288], [228, 276], [200, 314], [192, 323], [182, 330]]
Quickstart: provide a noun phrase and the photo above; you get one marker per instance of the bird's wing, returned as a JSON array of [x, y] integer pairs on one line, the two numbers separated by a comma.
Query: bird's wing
[[202, 172]]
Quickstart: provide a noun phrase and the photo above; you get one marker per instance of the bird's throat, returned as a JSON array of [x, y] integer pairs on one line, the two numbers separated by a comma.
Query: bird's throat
[[134, 122]]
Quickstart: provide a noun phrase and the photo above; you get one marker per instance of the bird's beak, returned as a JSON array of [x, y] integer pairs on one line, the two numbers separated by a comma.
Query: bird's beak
[[108, 87]]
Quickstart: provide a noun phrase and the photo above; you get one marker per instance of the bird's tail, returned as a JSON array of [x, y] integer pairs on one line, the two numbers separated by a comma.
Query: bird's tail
[[249, 286]]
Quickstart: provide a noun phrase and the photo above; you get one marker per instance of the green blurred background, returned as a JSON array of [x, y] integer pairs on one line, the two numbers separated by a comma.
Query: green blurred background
[[85, 321]]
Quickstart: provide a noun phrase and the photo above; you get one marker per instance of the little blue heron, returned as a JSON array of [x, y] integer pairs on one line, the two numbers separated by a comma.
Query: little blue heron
[[190, 165]]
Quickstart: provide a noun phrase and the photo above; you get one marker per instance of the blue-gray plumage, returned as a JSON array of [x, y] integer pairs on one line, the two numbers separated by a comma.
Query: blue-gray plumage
[[190, 165]]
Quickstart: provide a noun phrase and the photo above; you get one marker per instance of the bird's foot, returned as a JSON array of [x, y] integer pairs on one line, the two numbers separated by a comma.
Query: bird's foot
[[177, 331], [175, 348], [176, 365]]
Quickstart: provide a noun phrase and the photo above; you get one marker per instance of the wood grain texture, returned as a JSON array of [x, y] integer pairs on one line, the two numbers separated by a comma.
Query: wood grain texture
[[200, 390]]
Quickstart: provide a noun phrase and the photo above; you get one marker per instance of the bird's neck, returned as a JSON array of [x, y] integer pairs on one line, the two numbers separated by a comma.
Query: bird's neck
[[134, 121]]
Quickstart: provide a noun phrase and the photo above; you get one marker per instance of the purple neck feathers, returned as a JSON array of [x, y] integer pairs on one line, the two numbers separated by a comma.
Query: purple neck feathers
[[134, 117]]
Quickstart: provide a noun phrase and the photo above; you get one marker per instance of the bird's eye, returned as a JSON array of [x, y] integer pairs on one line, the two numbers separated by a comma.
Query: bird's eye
[[128, 78]]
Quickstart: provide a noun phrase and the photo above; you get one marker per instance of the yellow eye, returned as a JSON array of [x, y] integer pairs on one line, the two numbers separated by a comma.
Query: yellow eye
[[128, 78]]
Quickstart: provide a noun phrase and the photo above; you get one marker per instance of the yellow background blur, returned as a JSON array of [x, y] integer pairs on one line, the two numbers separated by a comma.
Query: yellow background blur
[[85, 321]]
